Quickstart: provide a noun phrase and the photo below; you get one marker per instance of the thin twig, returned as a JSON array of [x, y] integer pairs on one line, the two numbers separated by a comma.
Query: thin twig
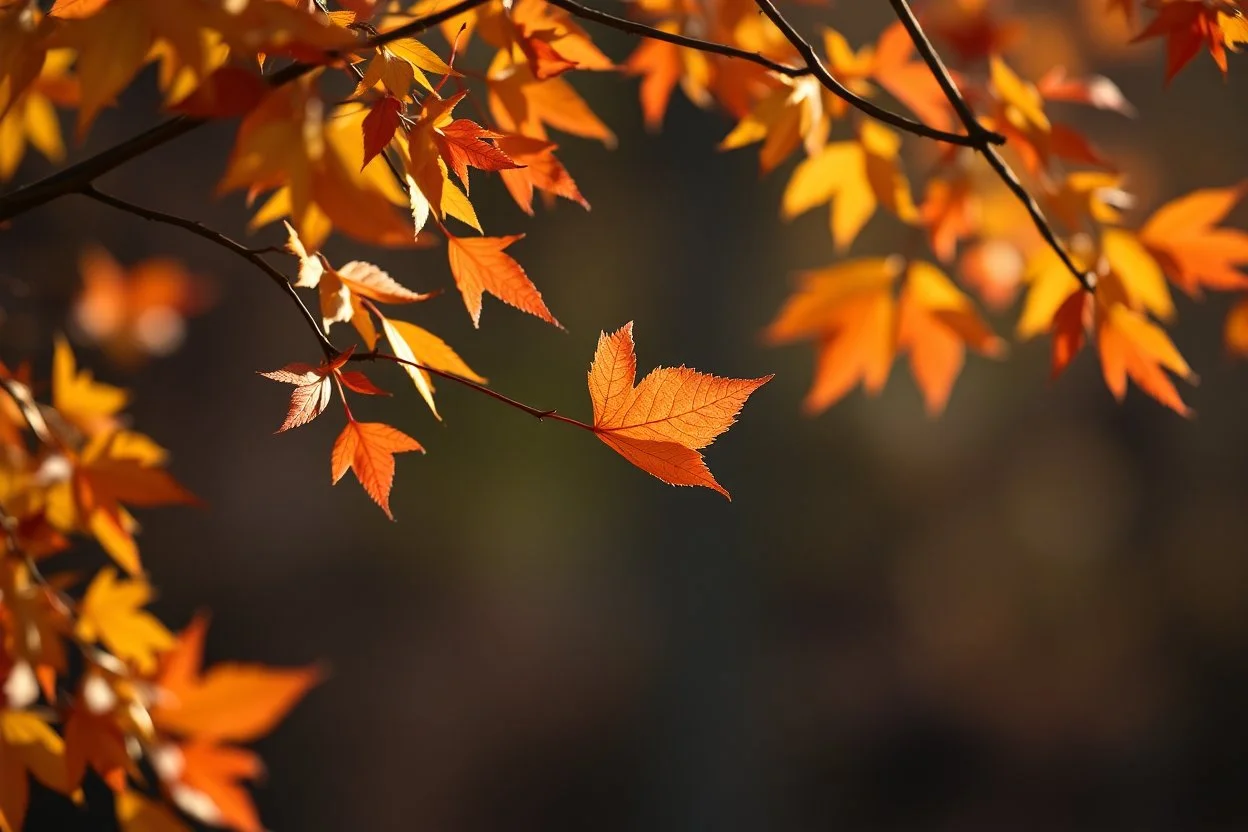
[[220, 239], [537, 413], [1007, 175]]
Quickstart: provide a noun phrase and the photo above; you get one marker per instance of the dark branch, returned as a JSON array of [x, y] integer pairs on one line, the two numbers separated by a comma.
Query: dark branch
[[814, 66], [928, 53]]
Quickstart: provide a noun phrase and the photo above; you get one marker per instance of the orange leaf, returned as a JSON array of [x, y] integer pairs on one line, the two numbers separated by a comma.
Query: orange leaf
[[232, 702], [540, 169], [660, 424], [1184, 238], [368, 448], [1131, 346], [480, 265]]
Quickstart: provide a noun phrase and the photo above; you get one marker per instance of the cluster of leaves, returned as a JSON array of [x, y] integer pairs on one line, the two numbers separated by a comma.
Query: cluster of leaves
[[90, 680], [347, 123]]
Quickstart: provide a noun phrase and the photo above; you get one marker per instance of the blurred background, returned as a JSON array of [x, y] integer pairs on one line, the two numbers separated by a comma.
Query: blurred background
[[1030, 613]]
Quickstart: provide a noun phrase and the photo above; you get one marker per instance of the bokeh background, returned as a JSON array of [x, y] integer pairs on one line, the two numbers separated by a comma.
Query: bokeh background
[[1030, 613]]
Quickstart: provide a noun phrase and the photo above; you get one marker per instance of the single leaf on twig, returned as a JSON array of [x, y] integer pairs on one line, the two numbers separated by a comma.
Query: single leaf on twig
[[660, 424]]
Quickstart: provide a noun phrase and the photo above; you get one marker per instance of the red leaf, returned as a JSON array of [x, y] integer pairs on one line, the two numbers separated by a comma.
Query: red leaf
[[379, 127], [230, 91], [360, 383]]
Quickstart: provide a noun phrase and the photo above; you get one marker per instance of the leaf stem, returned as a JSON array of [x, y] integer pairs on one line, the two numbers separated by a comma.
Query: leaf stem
[[537, 413], [981, 137], [220, 239]]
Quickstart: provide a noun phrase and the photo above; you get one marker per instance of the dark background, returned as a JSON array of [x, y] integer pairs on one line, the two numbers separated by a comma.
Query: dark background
[[1031, 613]]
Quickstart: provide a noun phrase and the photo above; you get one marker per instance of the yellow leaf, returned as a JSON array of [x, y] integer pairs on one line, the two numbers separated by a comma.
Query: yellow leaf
[[111, 612]]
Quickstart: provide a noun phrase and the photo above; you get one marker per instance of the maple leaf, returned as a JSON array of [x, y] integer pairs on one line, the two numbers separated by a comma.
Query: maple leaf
[[521, 103], [850, 310], [1189, 24], [537, 169], [111, 612], [313, 388], [790, 114], [854, 177], [438, 142], [368, 449], [662, 66], [1131, 346], [228, 703], [860, 326], [1184, 237], [88, 405], [480, 264], [937, 324], [661, 424]]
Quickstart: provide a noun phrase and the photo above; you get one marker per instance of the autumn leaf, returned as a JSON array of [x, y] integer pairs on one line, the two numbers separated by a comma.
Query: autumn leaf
[[850, 311], [660, 424], [859, 327], [1070, 324], [937, 324], [662, 66], [379, 126], [229, 702], [89, 405], [481, 264], [538, 169], [111, 612], [313, 388], [1187, 25], [791, 114], [854, 177], [368, 449], [1131, 346], [521, 103], [1194, 251]]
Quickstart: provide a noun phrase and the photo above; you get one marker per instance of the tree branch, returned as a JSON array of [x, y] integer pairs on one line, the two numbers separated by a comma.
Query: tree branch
[[977, 131], [813, 65], [220, 239]]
